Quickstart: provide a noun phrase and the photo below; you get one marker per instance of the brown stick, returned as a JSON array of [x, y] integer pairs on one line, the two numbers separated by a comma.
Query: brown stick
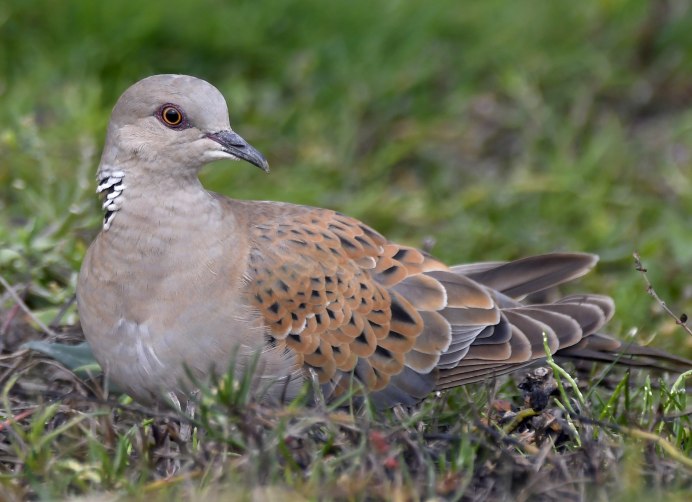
[[682, 319]]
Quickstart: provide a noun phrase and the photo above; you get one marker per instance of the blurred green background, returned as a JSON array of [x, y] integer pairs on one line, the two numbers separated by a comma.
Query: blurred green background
[[488, 130]]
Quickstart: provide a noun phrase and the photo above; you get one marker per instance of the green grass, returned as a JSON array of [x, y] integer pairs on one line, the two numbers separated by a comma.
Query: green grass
[[493, 129]]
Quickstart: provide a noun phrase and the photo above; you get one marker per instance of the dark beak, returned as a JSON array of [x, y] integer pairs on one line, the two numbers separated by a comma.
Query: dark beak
[[238, 147]]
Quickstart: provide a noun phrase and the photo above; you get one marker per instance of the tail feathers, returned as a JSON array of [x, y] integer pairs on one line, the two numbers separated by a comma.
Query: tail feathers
[[494, 331], [602, 348], [594, 348], [518, 336], [570, 327], [519, 278]]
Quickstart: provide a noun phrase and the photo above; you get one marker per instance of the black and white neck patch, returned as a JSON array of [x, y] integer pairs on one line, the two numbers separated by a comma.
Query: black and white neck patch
[[112, 186]]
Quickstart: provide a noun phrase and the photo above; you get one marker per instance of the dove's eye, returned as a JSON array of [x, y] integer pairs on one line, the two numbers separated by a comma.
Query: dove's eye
[[171, 116]]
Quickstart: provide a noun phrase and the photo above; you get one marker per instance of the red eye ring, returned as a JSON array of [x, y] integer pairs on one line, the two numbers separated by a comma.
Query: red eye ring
[[171, 116]]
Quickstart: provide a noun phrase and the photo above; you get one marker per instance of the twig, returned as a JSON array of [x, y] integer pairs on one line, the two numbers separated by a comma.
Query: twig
[[10, 317], [518, 419], [18, 417], [681, 320], [63, 310], [25, 308], [166, 482]]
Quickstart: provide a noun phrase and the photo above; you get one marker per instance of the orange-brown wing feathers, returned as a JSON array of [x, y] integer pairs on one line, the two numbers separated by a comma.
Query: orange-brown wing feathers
[[343, 298]]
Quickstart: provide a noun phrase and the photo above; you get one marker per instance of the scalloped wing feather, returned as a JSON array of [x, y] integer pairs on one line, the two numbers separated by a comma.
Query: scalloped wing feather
[[347, 301]]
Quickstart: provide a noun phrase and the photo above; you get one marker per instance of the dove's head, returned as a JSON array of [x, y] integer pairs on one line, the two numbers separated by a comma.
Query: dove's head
[[171, 125]]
